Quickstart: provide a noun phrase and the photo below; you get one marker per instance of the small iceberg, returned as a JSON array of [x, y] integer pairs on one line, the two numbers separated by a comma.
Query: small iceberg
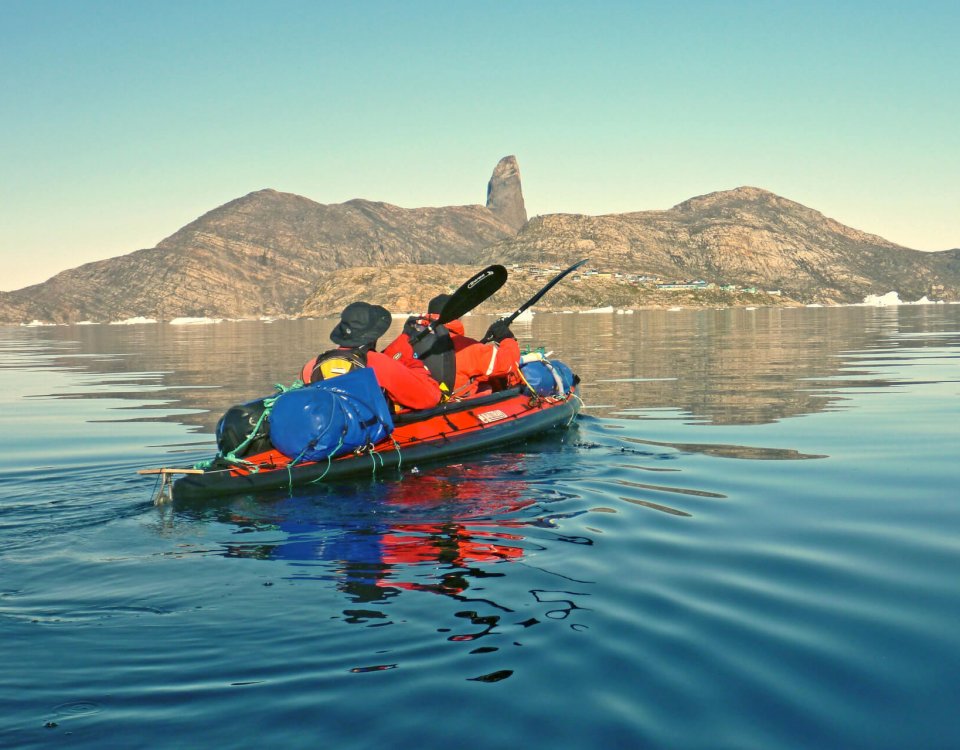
[[882, 300], [36, 324], [133, 321], [892, 299], [525, 317], [608, 309], [195, 321]]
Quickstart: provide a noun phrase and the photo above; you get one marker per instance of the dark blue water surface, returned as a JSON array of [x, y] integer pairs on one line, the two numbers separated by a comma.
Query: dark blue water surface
[[750, 540]]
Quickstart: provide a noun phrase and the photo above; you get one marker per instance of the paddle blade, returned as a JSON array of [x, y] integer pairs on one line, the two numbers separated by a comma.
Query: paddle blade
[[478, 288]]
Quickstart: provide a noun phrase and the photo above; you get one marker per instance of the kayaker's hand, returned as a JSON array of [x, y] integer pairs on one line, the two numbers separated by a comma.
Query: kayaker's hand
[[412, 326], [499, 331]]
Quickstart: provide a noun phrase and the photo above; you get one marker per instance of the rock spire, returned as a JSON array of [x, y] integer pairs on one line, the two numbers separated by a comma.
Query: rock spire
[[504, 196]]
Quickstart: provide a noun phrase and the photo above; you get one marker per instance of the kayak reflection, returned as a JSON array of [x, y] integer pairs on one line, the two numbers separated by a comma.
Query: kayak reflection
[[437, 533]]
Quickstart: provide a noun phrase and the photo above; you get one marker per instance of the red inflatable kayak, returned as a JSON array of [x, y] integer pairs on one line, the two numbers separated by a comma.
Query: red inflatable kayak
[[454, 428]]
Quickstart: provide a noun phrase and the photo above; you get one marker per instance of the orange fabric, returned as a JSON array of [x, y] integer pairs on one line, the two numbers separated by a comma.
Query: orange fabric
[[473, 358], [478, 363], [307, 371], [406, 381], [401, 346]]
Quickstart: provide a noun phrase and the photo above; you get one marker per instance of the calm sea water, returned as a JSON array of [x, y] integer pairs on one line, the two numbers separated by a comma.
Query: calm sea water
[[751, 540]]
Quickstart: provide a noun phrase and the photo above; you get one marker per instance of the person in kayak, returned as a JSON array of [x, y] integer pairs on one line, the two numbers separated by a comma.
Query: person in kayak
[[405, 379], [478, 367]]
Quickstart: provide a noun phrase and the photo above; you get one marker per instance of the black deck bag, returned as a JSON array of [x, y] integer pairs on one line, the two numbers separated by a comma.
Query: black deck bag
[[244, 430], [435, 350]]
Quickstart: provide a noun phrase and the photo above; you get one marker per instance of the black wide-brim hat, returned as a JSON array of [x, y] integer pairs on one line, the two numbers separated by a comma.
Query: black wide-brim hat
[[361, 323]]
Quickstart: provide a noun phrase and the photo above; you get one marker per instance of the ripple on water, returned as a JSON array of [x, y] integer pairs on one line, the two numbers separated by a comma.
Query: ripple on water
[[676, 574]]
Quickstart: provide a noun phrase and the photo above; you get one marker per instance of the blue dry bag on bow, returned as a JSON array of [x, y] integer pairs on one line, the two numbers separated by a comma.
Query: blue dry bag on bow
[[330, 417], [548, 377]]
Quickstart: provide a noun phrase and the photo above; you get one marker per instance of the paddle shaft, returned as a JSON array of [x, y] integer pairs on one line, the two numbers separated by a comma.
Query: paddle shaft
[[536, 298]]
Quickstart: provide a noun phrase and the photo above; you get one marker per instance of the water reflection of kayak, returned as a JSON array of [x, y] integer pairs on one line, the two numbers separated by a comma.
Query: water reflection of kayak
[[483, 423]]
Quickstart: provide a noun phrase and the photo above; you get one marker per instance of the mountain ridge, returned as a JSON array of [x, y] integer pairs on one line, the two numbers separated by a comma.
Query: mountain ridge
[[745, 236], [259, 254], [274, 253]]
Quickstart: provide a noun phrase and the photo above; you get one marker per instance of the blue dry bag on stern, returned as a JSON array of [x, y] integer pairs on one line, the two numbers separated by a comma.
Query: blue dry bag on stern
[[331, 417], [548, 377]]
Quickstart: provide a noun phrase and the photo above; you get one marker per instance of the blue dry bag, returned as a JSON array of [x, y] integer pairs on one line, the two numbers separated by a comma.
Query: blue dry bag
[[330, 417], [548, 377]]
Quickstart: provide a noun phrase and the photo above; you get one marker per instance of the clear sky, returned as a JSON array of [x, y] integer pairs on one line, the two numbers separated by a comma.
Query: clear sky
[[121, 121]]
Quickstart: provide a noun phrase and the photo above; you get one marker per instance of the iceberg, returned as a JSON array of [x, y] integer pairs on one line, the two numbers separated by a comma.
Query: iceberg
[[599, 310], [132, 321], [194, 321], [525, 317], [882, 300]]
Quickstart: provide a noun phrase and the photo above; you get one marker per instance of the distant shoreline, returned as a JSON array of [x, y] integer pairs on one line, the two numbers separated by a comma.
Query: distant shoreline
[[884, 301]]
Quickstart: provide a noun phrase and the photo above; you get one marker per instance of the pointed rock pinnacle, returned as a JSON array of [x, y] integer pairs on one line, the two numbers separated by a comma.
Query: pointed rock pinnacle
[[504, 196]]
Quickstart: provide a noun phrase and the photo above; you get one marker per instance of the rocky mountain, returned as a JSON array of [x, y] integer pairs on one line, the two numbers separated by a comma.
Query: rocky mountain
[[408, 289], [745, 237], [264, 253], [271, 253]]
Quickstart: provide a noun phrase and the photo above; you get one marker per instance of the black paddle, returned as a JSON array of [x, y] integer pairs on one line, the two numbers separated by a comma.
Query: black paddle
[[536, 298], [478, 288]]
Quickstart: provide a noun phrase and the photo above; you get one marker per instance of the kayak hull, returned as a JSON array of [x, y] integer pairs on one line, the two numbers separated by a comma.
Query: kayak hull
[[433, 436]]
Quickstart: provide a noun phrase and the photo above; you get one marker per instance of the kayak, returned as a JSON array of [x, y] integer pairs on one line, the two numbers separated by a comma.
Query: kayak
[[454, 428], [342, 426]]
